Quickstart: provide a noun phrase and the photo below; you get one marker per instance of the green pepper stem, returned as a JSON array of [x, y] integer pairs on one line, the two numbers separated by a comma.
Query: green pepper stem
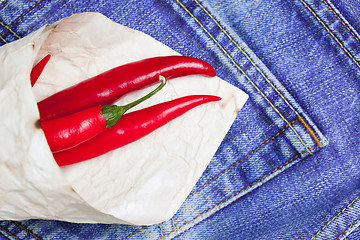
[[113, 113], [140, 100]]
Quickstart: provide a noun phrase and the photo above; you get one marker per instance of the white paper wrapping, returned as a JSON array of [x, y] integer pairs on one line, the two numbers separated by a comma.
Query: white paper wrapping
[[142, 183]]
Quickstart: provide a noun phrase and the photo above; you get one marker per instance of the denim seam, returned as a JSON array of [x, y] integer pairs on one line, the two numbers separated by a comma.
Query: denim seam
[[302, 120], [161, 230], [234, 164], [2, 39], [348, 229], [342, 22], [9, 29], [3, 235], [247, 77], [3, 4], [9, 233], [247, 56], [258, 69], [27, 230], [237, 193], [311, 132], [328, 223], [214, 178], [21, 16], [136, 231], [330, 32], [173, 224]]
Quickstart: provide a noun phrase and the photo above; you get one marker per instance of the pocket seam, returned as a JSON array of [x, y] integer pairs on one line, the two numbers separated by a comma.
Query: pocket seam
[[214, 178], [348, 228], [27, 230], [331, 33], [9, 29], [237, 193], [237, 162], [9, 233], [3, 4], [342, 22], [328, 223], [21, 16], [243, 72]]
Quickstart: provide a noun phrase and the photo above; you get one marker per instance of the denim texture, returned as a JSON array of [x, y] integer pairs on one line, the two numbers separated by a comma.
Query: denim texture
[[289, 166]]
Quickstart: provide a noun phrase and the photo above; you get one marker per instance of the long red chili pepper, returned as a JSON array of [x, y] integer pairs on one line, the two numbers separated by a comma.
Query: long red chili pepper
[[71, 130], [38, 68], [112, 84], [131, 127]]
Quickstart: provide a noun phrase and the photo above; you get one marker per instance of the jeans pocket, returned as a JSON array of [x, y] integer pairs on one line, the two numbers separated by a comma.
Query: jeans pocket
[[270, 135]]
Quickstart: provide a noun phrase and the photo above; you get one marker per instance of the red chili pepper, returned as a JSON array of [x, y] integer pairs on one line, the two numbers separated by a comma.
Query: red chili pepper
[[71, 130], [38, 68], [131, 127], [112, 84]]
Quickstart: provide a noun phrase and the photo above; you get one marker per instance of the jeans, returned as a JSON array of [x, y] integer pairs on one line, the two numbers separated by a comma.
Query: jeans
[[289, 166]]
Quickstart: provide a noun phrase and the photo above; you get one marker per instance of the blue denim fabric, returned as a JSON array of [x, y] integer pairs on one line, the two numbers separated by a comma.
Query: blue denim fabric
[[289, 166]]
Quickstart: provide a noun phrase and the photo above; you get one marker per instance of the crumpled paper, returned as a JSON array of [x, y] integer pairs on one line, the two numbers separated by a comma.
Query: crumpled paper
[[142, 183]]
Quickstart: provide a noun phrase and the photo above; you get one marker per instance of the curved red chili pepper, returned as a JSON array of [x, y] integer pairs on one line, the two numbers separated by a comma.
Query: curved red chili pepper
[[38, 68], [131, 127], [71, 130], [110, 85]]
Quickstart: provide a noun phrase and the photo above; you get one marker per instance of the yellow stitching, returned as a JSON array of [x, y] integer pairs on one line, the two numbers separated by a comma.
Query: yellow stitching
[[9, 29], [237, 193], [244, 53], [327, 224], [3, 40], [3, 4], [259, 70], [134, 232], [343, 23], [347, 229], [247, 77], [256, 149], [173, 224], [311, 132], [329, 31], [161, 231], [234, 164], [22, 15], [27, 230], [9, 233]]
